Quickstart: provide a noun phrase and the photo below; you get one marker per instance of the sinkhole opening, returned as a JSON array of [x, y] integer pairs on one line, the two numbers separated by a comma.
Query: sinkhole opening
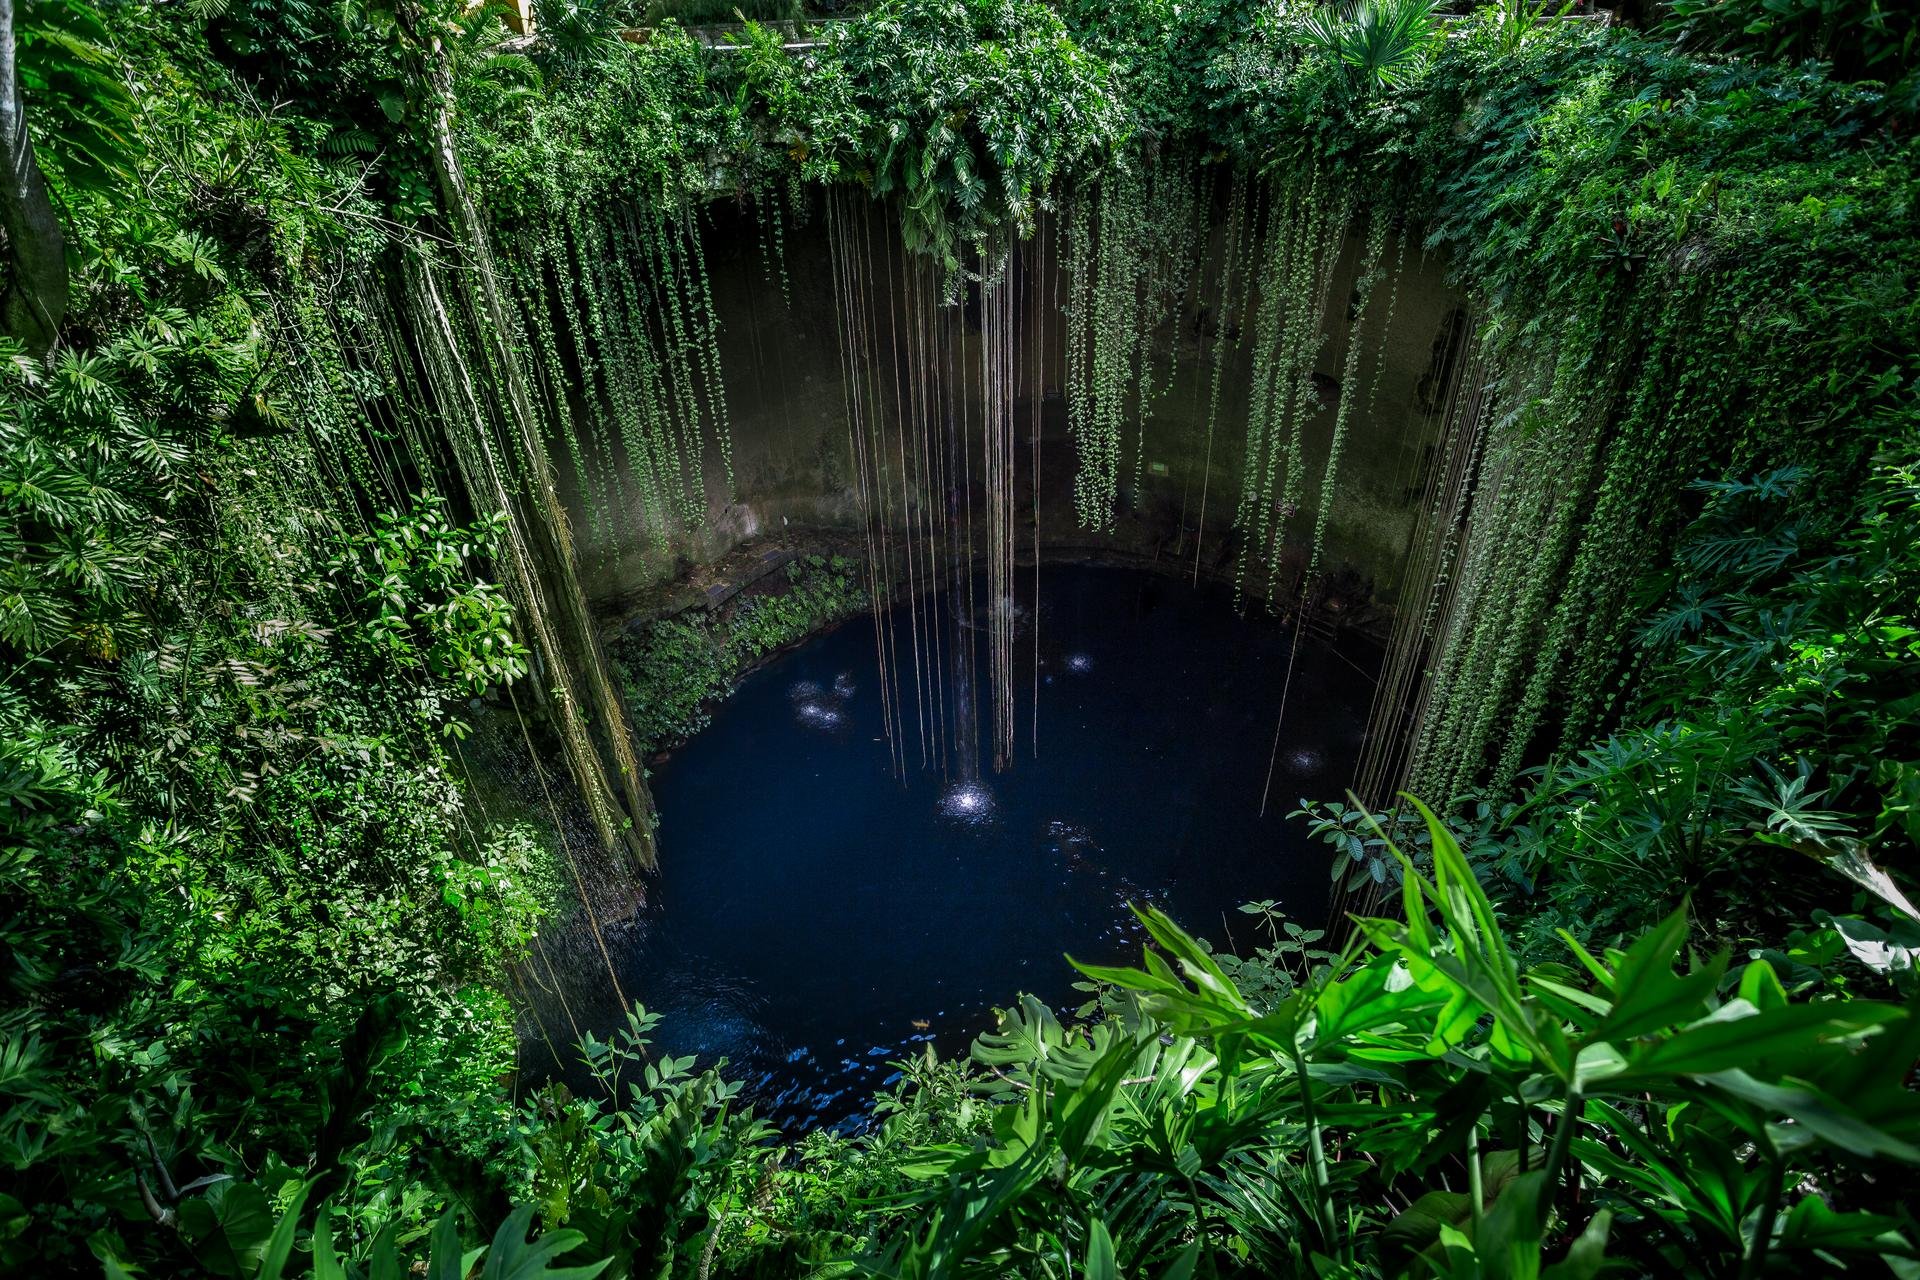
[[819, 917]]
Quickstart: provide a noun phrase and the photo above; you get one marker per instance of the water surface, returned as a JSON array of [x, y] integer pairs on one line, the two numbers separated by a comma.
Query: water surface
[[817, 919]]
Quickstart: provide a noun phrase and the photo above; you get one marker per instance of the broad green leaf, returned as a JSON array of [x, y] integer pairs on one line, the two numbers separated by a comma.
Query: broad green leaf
[[1364, 1001], [1100, 1260], [1587, 1255], [1417, 1228], [1184, 1262], [228, 1227], [279, 1246], [386, 1262], [1508, 1239], [1816, 1116], [1083, 1110], [326, 1263], [443, 1257], [1738, 1036], [513, 1256], [1570, 1001], [1760, 986], [1647, 995], [1814, 1224]]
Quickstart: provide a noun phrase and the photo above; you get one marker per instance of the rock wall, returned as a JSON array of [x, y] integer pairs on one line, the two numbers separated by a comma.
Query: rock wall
[[793, 469]]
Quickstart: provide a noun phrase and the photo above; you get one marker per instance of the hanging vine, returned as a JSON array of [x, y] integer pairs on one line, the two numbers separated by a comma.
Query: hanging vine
[[1132, 244], [1376, 240]]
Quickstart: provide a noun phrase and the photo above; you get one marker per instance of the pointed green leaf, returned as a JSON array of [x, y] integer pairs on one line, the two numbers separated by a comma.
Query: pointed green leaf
[[279, 1246], [1816, 1116], [513, 1256], [1100, 1260]]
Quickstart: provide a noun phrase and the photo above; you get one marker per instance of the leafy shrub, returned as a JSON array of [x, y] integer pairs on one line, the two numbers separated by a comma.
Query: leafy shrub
[[1420, 1104], [1863, 39], [413, 573], [1334, 1122]]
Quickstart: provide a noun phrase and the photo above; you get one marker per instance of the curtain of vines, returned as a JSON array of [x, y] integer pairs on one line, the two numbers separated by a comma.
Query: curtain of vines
[[625, 346], [1131, 247], [1596, 442], [455, 407]]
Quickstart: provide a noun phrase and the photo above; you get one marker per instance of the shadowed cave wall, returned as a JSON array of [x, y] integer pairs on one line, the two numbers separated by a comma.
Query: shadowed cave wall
[[785, 384]]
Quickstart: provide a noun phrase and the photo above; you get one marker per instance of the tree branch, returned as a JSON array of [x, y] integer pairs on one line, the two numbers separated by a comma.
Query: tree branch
[[34, 301]]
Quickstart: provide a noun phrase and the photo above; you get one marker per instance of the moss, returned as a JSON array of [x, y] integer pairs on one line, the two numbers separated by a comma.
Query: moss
[[675, 669]]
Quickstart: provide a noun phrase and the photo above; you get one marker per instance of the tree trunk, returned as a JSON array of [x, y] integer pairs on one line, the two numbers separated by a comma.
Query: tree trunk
[[35, 298]]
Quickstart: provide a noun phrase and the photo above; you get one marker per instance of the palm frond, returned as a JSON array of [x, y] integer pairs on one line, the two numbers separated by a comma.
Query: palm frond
[[1382, 43]]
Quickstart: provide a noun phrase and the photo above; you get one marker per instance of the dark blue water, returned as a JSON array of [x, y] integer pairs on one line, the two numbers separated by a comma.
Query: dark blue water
[[817, 918]]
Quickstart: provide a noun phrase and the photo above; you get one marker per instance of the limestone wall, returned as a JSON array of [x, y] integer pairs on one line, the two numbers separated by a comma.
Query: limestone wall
[[786, 395]]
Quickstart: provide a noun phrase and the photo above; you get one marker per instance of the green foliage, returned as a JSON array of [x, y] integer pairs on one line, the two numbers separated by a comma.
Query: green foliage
[[1670, 1117], [233, 1230], [677, 667], [1674, 1118], [80, 450], [1370, 849], [81, 109], [642, 1175], [968, 115], [1626, 216], [1306, 221], [255, 1021], [1131, 247], [581, 31], [252, 937], [1779, 726], [692, 12], [1874, 40], [1687, 1120], [346, 70], [1383, 44], [413, 570]]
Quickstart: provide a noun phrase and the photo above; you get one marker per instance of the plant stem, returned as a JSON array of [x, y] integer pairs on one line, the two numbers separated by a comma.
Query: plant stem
[[1316, 1152], [1755, 1261], [1562, 1139], [1522, 1118], [1200, 1227], [1476, 1192]]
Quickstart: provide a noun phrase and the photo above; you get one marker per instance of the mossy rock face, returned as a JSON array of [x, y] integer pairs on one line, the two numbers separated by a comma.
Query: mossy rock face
[[674, 668]]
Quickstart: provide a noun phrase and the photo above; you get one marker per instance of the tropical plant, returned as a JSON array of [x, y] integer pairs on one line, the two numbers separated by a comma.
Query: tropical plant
[[82, 111], [412, 570], [233, 1230], [1863, 39], [692, 12], [1514, 22], [1383, 44], [1778, 728], [1422, 1105], [970, 114], [576, 31]]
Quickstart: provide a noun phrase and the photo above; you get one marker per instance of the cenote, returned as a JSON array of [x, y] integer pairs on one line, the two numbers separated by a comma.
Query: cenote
[[596, 596], [817, 919]]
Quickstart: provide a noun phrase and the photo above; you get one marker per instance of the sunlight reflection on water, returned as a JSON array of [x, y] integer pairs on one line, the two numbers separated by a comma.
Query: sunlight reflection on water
[[967, 802]]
